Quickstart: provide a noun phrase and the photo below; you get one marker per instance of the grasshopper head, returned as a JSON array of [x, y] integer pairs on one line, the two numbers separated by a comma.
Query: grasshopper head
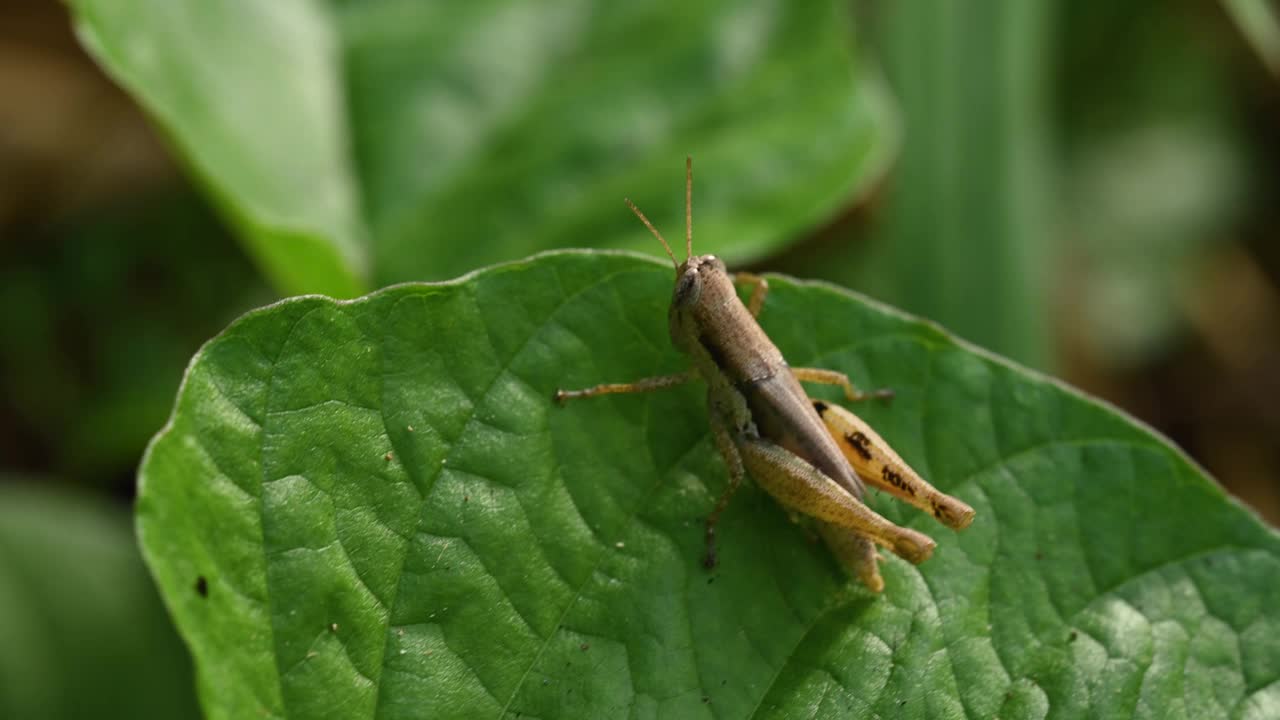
[[702, 285], [692, 276], [695, 276]]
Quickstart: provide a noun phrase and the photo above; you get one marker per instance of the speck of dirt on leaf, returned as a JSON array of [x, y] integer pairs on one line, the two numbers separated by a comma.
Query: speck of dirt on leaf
[[387, 457], [202, 587], [1072, 637], [584, 647]]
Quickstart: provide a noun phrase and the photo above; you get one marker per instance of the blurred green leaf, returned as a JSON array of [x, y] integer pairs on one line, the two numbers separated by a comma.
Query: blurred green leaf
[[966, 231], [1156, 172], [111, 305], [82, 633], [1150, 202], [358, 142], [393, 519], [1259, 23]]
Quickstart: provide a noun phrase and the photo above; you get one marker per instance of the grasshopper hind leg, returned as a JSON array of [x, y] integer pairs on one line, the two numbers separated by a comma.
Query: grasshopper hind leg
[[802, 487], [878, 465]]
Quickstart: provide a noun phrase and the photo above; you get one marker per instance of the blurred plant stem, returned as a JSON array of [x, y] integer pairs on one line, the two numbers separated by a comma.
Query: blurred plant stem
[[965, 233], [1258, 21]]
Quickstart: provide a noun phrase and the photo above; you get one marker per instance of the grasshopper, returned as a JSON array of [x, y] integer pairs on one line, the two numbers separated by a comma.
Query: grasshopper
[[812, 457]]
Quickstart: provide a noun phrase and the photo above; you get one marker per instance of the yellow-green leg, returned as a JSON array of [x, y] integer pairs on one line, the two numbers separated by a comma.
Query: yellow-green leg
[[855, 552], [832, 377], [648, 384], [877, 464]]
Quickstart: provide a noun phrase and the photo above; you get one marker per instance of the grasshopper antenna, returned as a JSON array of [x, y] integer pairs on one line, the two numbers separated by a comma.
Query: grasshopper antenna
[[688, 207], [653, 230]]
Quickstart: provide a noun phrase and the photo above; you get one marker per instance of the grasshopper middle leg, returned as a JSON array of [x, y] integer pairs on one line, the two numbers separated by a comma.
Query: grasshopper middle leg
[[832, 377], [855, 552], [733, 460]]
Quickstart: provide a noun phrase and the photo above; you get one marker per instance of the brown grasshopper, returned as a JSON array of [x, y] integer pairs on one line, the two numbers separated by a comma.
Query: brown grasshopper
[[808, 454]]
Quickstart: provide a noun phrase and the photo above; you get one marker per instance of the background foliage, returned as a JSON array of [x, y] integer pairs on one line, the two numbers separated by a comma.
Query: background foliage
[[1079, 186]]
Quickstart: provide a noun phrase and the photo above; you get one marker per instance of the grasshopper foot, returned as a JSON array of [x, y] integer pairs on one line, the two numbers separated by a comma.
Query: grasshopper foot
[[885, 394], [853, 394], [914, 547], [711, 559]]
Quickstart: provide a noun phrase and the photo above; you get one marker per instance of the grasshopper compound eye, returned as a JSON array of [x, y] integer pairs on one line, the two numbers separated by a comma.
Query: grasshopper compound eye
[[688, 289]]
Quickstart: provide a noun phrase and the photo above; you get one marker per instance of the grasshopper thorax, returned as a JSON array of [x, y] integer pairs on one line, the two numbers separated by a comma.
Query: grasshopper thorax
[[703, 293]]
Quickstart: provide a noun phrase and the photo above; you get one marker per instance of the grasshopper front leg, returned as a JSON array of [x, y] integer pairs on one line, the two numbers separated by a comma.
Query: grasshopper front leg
[[649, 384]]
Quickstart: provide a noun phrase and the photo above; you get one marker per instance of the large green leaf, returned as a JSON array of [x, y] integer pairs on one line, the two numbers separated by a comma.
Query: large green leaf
[[82, 633], [366, 140], [374, 509]]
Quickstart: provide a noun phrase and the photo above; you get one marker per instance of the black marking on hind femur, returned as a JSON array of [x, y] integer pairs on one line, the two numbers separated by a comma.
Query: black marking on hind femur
[[860, 442], [894, 478], [820, 406]]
